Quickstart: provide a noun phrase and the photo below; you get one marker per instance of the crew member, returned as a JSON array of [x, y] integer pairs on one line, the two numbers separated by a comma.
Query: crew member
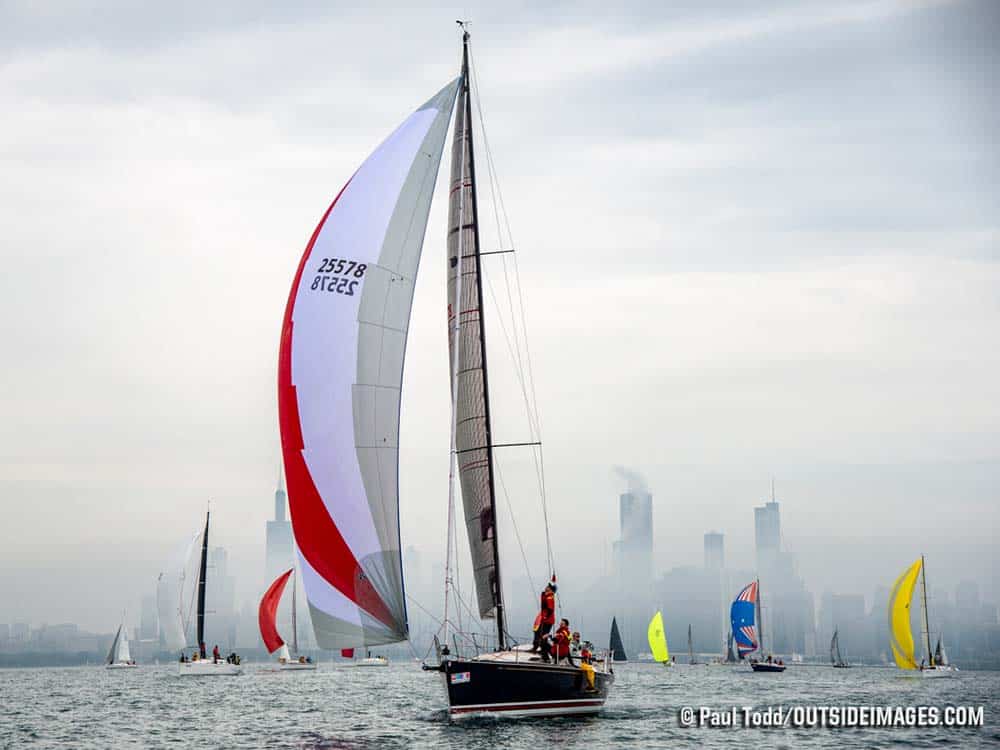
[[586, 657], [561, 642], [546, 617]]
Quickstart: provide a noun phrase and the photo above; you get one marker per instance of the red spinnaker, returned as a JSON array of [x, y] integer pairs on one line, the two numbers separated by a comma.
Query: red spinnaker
[[268, 611], [347, 653]]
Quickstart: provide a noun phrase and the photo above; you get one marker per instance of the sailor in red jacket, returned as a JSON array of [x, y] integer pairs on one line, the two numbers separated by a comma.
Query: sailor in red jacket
[[546, 618], [561, 642]]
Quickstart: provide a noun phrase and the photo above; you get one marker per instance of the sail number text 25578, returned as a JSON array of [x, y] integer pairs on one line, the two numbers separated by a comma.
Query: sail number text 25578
[[338, 275]]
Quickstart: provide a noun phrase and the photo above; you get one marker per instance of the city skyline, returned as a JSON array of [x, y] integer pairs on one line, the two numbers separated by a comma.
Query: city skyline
[[689, 594]]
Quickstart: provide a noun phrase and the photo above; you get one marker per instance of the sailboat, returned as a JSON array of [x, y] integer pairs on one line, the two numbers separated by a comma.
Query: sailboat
[[835, 658], [119, 656], [615, 646], [658, 640], [340, 371], [691, 659], [372, 660], [267, 615], [900, 635], [200, 665], [940, 655], [748, 628]]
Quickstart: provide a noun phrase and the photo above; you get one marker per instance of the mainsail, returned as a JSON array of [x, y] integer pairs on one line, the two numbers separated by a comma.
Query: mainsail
[[617, 648], [202, 588], [113, 651], [900, 634], [340, 371], [940, 655], [658, 639], [730, 656], [268, 611], [835, 656], [466, 332], [123, 655], [743, 617]]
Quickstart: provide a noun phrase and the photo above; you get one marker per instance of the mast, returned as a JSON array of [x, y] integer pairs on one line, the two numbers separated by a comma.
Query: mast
[[497, 589], [923, 597], [202, 573], [760, 619]]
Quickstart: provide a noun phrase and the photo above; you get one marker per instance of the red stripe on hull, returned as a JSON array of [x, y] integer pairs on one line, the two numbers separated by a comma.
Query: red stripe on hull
[[316, 535], [486, 708]]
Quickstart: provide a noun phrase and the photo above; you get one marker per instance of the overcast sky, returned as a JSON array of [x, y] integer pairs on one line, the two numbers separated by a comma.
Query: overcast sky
[[755, 240]]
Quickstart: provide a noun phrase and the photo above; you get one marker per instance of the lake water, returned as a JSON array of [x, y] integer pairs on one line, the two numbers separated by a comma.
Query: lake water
[[343, 707]]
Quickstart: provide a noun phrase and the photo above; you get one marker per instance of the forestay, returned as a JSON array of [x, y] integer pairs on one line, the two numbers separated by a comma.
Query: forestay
[[339, 379]]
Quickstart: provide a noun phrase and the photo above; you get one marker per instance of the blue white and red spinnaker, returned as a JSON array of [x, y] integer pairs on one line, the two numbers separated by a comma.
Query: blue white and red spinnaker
[[743, 615]]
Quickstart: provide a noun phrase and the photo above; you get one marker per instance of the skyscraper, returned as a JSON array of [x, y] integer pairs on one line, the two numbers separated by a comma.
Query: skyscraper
[[715, 558], [634, 551], [279, 548], [767, 534]]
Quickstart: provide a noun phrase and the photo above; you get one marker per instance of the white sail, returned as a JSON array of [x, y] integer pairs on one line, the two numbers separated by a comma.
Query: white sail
[[283, 654], [170, 596], [340, 371], [124, 655], [110, 658]]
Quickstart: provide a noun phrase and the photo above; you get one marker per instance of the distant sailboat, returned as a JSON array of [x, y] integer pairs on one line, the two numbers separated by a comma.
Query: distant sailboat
[[119, 656], [691, 659], [748, 628], [658, 640], [200, 665], [267, 615], [835, 658], [900, 635], [940, 655], [616, 646], [372, 660]]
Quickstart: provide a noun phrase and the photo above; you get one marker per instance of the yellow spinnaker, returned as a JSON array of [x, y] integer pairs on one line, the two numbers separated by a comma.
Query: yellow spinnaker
[[657, 638], [900, 635]]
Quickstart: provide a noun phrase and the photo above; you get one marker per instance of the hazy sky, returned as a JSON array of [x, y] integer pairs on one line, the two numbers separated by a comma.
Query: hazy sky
[[755, 239]]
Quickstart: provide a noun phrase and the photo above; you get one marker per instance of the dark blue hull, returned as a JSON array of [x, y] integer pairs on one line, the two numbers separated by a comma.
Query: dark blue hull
[[522, 688]]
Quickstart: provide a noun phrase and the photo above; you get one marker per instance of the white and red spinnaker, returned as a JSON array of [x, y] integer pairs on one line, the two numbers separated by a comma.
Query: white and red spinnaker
[[340, 371]]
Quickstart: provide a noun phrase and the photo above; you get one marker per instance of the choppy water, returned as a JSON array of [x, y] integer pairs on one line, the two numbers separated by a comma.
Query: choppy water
[[341, 707]]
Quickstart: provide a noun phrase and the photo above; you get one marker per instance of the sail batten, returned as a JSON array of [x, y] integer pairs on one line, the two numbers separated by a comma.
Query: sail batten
[[340, 372]]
